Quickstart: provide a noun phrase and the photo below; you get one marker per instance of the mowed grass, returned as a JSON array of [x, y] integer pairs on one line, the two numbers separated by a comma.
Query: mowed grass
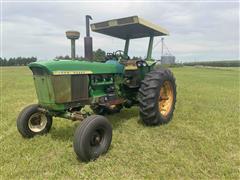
[[201, 141]]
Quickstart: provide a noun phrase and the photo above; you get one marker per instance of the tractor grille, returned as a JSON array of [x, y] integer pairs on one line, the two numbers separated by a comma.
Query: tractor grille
[[70, 88], [62, 88], [79, 87]]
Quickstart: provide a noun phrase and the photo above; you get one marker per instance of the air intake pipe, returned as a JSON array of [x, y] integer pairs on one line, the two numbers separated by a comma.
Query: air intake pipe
[[88, 48], [73, 35]]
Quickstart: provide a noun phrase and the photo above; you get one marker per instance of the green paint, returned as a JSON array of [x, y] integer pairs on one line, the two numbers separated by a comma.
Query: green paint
[[44, 89], [54, 89], [73, 65], [45, 93], [99, 87]]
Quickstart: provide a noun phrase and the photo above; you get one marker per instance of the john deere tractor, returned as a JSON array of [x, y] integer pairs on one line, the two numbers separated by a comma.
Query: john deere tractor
[[66, 88]]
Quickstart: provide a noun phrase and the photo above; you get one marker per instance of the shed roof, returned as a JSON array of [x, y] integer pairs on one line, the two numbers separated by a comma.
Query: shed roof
[[129, 28]]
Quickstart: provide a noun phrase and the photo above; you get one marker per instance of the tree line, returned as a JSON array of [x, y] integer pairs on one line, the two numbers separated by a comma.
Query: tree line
[[234, 63], [19, 61], [98, 55]]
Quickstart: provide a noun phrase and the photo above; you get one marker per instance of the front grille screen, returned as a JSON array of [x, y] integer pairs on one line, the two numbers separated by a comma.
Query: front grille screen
[[70, 88], [79, 87], [62, 88]]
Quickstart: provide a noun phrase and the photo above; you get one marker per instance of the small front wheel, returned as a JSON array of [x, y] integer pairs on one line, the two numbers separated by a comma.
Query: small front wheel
[[92, 138], [31, 122]]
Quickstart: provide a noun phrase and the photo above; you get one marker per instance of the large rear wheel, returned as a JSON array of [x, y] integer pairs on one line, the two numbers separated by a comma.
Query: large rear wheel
[[157, 97]]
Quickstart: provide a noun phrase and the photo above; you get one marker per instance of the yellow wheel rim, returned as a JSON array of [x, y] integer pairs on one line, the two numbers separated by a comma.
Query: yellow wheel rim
[[165, 99]]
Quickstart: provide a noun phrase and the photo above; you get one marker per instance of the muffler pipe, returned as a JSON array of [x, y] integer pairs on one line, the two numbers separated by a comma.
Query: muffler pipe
[[88, 47]]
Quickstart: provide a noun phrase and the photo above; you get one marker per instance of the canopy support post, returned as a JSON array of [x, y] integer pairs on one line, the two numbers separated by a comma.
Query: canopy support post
[[150, 47], [126, 47]]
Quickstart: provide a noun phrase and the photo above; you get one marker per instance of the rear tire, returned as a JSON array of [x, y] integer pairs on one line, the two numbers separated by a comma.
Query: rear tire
[[157, 97], [92, 138], [31, 122]]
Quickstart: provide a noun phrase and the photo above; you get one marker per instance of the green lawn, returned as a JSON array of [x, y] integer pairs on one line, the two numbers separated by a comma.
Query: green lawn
[[201, 142]]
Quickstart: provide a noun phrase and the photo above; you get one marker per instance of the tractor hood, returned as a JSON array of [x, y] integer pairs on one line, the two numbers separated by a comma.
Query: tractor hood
[[61, 67]]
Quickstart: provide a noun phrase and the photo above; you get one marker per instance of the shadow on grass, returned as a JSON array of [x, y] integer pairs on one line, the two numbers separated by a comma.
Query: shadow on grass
[[66, 133], [125, 115]]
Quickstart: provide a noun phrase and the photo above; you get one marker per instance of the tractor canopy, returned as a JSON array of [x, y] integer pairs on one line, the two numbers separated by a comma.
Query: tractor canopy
[[61, 67], [129, 28]]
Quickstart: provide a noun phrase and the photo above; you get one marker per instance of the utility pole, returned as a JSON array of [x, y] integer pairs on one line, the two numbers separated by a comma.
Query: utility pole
[[162, 39]]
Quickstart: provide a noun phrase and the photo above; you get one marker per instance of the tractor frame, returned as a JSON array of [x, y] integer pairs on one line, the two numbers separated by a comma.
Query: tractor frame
[[76, 90]]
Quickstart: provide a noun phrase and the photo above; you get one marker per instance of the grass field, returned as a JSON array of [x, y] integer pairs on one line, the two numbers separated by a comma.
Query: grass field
[[201, 142]]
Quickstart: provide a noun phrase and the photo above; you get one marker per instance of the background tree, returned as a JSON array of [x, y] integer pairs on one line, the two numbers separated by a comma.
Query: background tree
[[99, 55], [19, 61]]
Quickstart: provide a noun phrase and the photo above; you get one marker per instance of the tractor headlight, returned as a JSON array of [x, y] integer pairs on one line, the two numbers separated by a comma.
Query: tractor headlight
[[139, 64], [144, 64]]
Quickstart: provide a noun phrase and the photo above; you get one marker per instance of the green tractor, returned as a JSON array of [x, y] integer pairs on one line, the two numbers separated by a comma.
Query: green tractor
[[66, 87]]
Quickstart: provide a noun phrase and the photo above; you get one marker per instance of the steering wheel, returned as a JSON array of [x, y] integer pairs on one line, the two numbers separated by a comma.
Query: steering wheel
[[119, 54]]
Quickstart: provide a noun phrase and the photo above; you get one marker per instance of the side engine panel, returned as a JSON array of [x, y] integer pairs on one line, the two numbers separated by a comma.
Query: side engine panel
[[104, 90]]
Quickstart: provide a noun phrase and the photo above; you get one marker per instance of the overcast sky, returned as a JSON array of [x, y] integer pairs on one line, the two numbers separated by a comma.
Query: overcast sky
[[198, 31]]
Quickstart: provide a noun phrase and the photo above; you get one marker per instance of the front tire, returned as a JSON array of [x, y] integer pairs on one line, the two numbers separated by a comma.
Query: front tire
[[92, 138], [31, 122], [157, 97]]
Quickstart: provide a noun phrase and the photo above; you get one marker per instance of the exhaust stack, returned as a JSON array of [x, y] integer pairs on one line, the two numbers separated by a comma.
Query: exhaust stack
[[73, 35], [88, 48]]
